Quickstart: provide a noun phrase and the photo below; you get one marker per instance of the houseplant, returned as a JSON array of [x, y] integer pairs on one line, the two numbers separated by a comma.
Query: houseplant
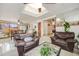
[[45, 50], [66, 26]]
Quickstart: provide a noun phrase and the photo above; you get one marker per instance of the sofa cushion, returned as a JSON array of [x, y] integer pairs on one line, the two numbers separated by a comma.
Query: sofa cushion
[[29, 44], [61, 42], [25, 35], [64, 35]]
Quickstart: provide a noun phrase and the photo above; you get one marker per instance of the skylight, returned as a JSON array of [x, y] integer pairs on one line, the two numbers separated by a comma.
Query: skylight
[[33, 9], [36, 5]]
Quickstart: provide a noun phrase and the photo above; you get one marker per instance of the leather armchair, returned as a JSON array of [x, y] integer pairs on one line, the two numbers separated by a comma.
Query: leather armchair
[[64, 39], [23, 47]]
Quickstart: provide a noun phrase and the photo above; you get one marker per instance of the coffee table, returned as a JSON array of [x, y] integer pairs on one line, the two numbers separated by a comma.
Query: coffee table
[[36, 51]]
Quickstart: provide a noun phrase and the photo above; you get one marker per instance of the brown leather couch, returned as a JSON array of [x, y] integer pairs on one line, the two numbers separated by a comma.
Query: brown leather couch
[[22, 46], [64, 39]]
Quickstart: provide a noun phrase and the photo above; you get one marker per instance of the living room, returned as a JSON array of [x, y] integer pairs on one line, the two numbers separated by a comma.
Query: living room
[[29, 29]]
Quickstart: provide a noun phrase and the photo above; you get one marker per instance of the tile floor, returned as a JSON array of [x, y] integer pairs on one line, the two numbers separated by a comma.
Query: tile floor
[[7, 46]]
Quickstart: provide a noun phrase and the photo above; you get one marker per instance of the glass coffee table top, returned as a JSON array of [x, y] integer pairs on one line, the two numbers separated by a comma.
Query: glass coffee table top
[[36, 51]]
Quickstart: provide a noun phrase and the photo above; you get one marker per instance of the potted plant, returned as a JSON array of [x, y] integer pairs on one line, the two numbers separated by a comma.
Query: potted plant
[[45, 50], [66, 26]]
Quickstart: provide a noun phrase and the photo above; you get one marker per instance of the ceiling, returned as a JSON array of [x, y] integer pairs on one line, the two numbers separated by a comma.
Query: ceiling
[[14, 11], [10, 11]]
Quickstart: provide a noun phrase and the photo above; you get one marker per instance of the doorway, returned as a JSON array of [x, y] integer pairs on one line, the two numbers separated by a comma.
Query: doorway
[[39, 29]]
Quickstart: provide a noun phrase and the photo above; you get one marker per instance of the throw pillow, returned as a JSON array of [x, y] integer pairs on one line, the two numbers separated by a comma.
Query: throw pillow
[[28, 39]]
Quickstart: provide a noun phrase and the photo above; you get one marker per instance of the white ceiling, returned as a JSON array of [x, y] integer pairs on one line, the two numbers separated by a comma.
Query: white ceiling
[[33, 9], [10, 11], [14, 11]]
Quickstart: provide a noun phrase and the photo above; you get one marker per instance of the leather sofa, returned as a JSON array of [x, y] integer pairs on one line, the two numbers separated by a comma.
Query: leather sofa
[[23, 46], [64, 39]]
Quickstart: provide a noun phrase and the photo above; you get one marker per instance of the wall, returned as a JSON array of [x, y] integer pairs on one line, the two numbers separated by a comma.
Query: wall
[[22, 27], [45, 28], [35, 24]]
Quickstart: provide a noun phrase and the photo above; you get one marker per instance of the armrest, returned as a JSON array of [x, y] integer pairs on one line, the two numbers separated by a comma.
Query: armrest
[[70, 44], [70, 41], [20, 43], [52, 38]]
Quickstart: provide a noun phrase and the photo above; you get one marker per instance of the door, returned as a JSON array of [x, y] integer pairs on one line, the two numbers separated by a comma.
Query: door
[[39, 29]]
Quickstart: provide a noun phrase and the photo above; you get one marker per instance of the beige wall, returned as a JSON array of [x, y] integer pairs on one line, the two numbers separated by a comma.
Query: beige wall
[[45, 28]]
